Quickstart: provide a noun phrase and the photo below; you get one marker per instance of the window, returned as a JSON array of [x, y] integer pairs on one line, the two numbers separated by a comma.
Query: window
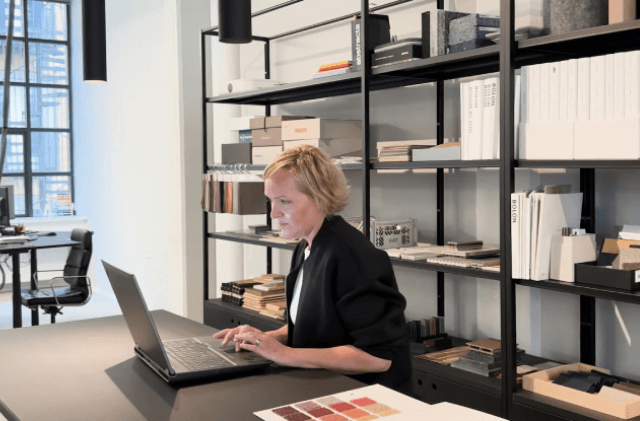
[[38, 160]]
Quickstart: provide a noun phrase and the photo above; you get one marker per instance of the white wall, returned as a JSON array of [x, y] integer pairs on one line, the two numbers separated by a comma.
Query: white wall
[[548, 323], [127, 145]]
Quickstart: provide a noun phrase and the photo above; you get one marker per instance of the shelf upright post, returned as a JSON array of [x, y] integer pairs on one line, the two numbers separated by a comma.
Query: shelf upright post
[[267, 112], [205, 164], [507, 176], [366, 74], [588, 304], [440, 179]]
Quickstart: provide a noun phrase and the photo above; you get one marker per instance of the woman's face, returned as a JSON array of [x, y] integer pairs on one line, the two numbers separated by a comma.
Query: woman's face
[[297, 213]]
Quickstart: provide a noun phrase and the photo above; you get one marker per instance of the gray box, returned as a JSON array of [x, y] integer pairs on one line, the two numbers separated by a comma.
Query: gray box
[[435, 32], [236, 153]]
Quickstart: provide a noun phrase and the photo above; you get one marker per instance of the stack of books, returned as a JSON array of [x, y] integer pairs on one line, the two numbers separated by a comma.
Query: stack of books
[[401, 150], [275, 310], [233, 292], [333, 69], [483, 357], [269, 291]]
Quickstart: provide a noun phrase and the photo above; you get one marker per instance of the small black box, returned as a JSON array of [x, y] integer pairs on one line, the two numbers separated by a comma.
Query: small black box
[[590, 274], [397, 55], [236, 153], [378, 33]]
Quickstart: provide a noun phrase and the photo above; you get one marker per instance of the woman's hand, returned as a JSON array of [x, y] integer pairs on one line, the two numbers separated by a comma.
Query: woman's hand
[[265, 345], [232, 334]]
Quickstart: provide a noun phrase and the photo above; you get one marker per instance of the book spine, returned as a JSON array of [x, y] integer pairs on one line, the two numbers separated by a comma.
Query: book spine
[[618, 85], [564, 91], [631, 74], [609, 81], [524, 95], [554, 92], [515, 235], [475, 119], [584, 86], [490, 97], [545, 71], [572, 90], [534, 93], [597, 80]]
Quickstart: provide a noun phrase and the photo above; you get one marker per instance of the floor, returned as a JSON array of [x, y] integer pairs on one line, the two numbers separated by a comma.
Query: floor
[[100, 305]]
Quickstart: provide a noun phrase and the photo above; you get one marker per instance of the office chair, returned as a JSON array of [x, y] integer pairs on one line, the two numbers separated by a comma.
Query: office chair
[[77, 292]]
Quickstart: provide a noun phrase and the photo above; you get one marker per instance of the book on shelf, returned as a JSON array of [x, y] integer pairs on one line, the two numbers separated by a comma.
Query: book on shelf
[[535, 220], [480, 118]]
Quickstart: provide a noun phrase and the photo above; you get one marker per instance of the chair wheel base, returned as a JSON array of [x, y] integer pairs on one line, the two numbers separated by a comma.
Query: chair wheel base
[[52, 310]]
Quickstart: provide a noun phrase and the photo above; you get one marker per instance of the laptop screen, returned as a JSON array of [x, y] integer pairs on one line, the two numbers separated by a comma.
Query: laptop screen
[[136, 314]]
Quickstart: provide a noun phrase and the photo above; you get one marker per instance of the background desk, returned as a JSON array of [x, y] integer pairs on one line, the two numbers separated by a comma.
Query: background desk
[[87, 370], [62, 239]]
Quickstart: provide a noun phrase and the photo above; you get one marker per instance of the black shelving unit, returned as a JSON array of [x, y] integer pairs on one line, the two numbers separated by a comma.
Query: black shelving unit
[[501, 397]]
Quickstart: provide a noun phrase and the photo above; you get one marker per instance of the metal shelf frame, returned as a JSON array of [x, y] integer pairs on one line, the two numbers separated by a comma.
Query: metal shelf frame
[[505, 59]]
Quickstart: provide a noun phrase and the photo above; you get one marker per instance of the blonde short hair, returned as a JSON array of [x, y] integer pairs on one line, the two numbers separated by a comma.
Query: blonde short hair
[[317, 177]]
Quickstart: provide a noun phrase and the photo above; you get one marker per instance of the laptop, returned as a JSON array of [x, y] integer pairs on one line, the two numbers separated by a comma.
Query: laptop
[[175, 360]]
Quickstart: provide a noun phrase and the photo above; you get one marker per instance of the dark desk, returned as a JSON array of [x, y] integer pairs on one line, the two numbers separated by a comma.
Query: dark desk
[[60, 240], [87, 370]]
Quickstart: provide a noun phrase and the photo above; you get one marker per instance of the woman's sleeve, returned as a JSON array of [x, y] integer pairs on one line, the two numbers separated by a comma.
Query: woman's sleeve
[[370, 306]]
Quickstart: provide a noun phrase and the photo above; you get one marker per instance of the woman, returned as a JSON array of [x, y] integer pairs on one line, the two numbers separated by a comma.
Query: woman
[[345, 312]]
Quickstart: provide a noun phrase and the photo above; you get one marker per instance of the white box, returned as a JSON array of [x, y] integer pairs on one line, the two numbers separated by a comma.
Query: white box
[[319, 128], [264, 155], [244, 85], [547, 140], [607, 139], [332, 147], [567, 251]]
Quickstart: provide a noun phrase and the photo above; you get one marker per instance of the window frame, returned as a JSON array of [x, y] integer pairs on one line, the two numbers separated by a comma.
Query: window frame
[[28, 172]]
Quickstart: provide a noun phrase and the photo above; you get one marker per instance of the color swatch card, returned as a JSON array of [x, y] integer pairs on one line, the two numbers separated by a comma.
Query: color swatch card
[[363, 404]]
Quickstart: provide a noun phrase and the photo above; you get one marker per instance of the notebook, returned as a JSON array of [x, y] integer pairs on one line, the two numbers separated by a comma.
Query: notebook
[[176, 360]]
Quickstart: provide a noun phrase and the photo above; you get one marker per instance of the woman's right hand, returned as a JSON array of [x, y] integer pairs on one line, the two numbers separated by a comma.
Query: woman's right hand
[[228, 335]]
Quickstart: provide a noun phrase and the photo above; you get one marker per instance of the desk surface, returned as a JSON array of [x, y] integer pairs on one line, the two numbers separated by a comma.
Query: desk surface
[[87, 370], [61, 239]]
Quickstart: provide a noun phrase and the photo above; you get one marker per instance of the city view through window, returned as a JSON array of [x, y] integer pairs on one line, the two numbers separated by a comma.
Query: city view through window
[[38, 160]]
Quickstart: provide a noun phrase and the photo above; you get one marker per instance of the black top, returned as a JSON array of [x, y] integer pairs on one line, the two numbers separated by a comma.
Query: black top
[[349, 296]]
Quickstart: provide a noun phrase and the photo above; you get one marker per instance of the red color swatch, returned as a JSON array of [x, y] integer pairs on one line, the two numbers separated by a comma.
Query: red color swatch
[[341, 407], [363, 402]]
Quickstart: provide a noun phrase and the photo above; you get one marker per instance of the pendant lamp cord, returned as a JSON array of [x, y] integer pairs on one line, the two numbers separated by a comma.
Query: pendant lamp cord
[[7, 83]]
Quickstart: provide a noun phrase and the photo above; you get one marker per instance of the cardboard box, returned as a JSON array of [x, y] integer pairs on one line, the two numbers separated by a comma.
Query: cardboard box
[[272, 121], [332, 147], [319, 128], [267, 137], [236, 153], [264, 155], [608, 401]]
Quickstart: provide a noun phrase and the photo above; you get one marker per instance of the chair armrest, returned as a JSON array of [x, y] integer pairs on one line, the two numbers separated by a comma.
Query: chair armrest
[[68, 277]]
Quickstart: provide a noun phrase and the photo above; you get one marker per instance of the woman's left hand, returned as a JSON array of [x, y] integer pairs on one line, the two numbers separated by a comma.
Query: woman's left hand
[[265, 345]]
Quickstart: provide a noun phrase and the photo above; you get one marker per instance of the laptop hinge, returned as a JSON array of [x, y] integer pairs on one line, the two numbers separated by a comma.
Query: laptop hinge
[[163, 372]]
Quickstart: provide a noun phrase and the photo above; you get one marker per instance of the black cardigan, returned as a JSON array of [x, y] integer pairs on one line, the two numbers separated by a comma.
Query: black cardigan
[[349, 296]]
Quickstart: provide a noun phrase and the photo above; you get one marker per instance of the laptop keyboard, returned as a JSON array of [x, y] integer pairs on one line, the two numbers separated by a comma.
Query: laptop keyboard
[[195, 355]]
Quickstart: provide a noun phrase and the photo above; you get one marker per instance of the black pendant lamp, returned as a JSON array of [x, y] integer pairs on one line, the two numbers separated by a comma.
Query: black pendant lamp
[[94, 40], [234, 17]]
